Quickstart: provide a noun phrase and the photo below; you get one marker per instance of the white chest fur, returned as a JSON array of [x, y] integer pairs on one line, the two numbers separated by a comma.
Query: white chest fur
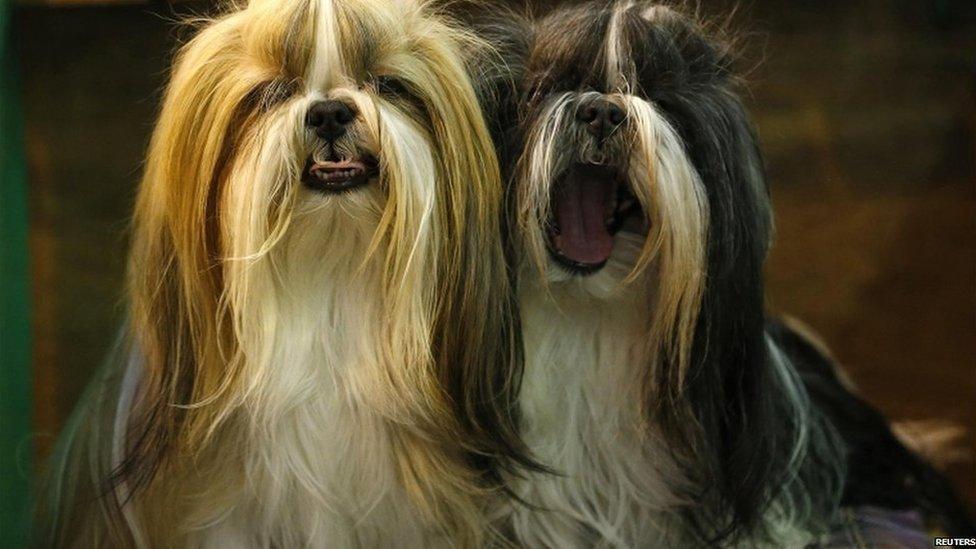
[[617, 484], [584, 343], [308, 460]]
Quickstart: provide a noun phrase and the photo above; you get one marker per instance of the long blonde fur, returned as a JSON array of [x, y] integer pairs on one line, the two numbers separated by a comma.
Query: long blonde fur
[[305, 359]]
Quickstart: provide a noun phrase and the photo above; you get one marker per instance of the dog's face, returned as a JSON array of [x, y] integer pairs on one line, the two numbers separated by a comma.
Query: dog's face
[[608, 182], [301, 137], [335, 114]]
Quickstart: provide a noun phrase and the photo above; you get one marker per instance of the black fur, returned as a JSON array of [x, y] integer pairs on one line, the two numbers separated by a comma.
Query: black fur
[[882, 471], [732, 422], [729, 422]]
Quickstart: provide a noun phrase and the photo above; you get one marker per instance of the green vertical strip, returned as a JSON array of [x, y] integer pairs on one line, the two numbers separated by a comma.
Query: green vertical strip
[[16, 450]]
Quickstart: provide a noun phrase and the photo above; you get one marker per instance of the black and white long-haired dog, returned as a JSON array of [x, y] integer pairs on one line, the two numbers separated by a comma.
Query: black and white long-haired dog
[[671, 410], [322, 348], [651, 386]]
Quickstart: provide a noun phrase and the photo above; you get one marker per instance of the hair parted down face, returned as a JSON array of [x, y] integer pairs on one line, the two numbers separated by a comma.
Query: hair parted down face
[[637, 168], [303, 141], [608, 187]]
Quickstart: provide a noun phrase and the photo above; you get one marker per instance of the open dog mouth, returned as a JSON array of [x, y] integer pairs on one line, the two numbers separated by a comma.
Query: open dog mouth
[[339, 175], [589, 206]]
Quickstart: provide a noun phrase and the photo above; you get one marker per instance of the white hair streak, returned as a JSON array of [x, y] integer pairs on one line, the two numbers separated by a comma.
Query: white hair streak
[[793, 512], [673, 198], [541, 166]]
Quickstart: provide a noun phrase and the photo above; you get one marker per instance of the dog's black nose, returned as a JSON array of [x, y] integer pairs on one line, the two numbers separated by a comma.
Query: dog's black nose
[[601, 117], [330, 118]]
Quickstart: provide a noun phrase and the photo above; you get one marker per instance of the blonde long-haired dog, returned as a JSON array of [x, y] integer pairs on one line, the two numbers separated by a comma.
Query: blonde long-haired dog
[[321, 349]]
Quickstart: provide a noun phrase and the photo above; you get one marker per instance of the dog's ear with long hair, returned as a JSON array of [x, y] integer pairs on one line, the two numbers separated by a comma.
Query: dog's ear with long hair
[[749, 415], [731, 374], [173, 285], [476, 339], [175, 281]]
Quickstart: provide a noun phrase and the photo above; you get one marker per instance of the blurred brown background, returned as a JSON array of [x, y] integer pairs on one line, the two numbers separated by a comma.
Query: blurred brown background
[[866, 110]]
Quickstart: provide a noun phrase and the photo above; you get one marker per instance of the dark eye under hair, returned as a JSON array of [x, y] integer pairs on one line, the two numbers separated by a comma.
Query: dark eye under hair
[[397, 90], [391, 86], [272, 93]]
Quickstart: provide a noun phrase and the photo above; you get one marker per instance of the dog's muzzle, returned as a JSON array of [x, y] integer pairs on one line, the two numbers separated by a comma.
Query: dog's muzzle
[[329, 120]]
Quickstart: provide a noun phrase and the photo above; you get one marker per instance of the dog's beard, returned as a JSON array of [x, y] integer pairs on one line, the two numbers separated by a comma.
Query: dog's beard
[[286, 242], [307, 291]]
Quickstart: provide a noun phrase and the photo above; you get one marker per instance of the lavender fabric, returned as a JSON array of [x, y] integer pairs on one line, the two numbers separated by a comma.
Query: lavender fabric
[[876, 528]]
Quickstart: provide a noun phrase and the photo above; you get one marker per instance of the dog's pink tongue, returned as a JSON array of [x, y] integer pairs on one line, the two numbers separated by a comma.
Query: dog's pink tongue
[[581, 213]]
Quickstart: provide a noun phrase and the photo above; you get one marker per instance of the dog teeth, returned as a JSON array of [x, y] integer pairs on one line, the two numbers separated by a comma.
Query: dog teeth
[[335, 175]]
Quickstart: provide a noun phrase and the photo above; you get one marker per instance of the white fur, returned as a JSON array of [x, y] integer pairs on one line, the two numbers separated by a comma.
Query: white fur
[[318, 470], [615, 480]]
